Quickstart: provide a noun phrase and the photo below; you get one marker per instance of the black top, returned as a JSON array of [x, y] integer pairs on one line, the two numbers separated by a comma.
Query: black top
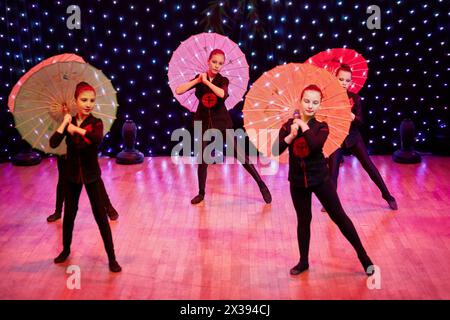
[[307, 165], [82, 162], [354, 134], [211, 109]]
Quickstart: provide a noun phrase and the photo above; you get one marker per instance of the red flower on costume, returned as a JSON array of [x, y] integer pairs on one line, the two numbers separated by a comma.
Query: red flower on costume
[[209, 100], [301, 148]]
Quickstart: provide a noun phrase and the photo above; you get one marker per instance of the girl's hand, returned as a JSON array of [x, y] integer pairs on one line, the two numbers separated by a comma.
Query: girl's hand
[[67, 119], [203, 77], [299, 122], [72, 129], [294, 130]]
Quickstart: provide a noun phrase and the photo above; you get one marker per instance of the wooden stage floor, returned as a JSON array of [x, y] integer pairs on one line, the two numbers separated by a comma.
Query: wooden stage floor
[[233, 245]]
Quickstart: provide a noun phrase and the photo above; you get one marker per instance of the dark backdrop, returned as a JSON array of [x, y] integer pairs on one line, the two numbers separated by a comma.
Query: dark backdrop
[[132, 42]]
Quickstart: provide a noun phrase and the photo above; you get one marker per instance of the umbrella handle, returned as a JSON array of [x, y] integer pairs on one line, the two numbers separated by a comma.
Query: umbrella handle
[[65, 109]]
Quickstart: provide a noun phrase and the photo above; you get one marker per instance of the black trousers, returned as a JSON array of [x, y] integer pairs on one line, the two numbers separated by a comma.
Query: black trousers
[[61, 186], [327, 195], [94, 191], [359, 150], [239, 153]]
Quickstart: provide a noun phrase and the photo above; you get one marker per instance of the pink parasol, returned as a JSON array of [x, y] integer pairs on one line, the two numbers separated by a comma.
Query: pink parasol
[[190, 59]]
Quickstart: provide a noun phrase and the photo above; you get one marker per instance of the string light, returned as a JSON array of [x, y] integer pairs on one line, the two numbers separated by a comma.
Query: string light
[[409, 52]]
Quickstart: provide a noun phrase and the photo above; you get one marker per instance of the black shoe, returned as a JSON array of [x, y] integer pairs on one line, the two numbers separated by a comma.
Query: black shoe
[[367, 264], [299, 268], [198, 198], [265, 192], [62, 256], [112, 213], [392, 203], [54, 217], [114, 266]]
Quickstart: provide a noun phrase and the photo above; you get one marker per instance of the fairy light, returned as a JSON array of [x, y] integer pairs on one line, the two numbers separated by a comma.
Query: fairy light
[[406, 77]]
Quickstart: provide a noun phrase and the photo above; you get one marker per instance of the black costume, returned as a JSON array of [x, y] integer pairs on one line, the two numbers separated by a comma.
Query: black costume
[[308, 173], [211, 110], [354, 143], [82, 167], [213, 114]]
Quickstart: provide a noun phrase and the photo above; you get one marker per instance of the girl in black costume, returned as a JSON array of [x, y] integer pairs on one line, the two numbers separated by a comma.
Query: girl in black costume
[[83, 134], [211, 89], [355, 143], [308, 173]]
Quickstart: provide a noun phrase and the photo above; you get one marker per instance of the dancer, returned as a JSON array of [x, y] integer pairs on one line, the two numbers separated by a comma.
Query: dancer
[[354, 142], [83, 134], [308, 173], [211, 89]]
